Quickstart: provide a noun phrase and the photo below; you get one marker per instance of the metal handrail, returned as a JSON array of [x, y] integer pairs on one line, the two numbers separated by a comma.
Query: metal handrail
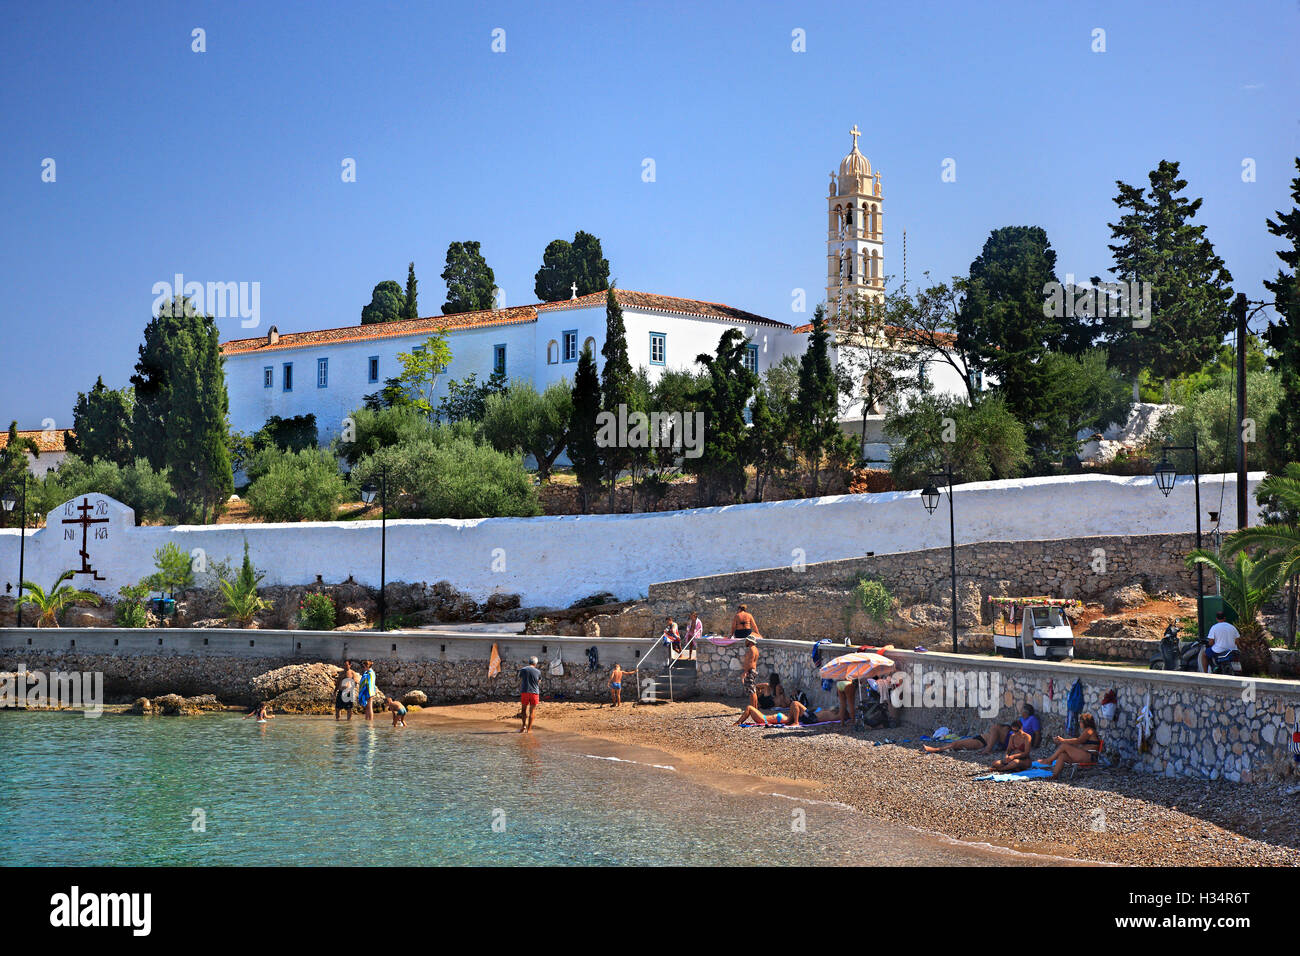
[[673, 658]]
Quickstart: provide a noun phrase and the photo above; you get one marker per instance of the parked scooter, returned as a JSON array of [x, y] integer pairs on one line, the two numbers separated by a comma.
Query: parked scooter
[[1176, 655]]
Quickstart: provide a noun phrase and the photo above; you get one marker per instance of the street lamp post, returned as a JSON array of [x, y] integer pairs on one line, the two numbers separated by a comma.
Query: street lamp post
[[8, 500], [368, 491], [1166, 475], [930, 498]]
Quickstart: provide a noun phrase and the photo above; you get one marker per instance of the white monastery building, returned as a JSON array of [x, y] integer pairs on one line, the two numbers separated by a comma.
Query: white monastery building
[[328, 372]]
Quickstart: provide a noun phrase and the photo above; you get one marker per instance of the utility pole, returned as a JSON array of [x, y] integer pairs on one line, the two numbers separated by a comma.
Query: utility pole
[[1239, 312]]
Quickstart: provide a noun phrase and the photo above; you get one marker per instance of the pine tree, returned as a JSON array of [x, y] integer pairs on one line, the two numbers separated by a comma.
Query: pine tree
[[101, 425], [583, 451], [1156, 242], [1282, 432], [411, 302], [13, 471], [179, 418], [615, 389], [470, 281]]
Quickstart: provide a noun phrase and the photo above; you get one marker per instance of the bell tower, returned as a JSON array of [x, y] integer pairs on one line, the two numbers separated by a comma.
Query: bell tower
[[855, 236]]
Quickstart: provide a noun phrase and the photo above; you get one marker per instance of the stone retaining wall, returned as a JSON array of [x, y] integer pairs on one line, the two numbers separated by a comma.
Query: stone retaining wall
[[1204, 725], [449, 667]]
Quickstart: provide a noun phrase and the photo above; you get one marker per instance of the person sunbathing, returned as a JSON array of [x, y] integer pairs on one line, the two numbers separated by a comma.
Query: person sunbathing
[[753, 715], [1018, 747], [1082, 749], [998, 735]]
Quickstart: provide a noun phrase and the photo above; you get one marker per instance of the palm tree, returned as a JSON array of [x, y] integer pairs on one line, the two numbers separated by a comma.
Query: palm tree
[[1278, 543], [50, 604], [1246, 585]]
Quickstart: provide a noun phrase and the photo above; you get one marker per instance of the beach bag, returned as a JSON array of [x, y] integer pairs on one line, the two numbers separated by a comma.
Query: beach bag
[[1107, 708]]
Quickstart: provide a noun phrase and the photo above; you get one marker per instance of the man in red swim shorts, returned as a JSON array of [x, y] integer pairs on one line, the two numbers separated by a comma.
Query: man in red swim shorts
[[530, 686]]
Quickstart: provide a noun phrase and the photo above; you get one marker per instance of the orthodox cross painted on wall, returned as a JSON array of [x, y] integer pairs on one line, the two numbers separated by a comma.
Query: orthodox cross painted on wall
[[101, 534]]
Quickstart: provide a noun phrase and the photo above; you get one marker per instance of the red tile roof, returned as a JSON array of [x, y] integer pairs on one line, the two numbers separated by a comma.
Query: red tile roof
[[629, 299], [384, 330], [491, 317], [46, 441]]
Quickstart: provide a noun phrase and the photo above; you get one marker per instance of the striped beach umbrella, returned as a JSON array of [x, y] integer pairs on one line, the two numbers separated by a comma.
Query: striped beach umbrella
[[857, 666]]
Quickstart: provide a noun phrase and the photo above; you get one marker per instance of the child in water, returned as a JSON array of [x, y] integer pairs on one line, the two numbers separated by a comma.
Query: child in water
[[262, 712], [398, 710]]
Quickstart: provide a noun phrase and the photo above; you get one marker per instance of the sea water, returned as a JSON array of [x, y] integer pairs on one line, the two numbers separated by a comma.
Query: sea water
[[219, 790]]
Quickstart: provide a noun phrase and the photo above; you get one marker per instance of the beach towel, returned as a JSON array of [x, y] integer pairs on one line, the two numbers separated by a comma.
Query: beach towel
[[367, 688], [722, 641], [817, 650], [1294, 746], [1033, 773], [494, 662], [557, 663], [593, 658], [1074, 707], [1145, 723]]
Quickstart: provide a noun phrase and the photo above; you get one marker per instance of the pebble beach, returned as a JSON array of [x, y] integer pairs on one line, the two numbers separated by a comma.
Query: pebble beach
[[1103, 815]]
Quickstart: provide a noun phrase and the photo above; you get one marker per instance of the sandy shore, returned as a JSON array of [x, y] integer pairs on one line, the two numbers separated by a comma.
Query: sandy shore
[[1103, 815]]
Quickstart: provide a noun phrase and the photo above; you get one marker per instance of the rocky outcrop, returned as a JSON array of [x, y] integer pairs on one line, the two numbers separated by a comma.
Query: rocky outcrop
[[174, 705]]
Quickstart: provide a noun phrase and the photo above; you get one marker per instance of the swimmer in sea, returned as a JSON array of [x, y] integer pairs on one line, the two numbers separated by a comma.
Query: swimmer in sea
[[262, 712]]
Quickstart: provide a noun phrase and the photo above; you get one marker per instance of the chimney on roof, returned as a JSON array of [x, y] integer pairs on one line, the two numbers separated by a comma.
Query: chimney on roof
[[272, 336]]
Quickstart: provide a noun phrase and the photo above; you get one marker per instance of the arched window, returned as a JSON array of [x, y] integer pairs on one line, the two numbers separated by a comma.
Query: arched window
[[590, 344], [552, 352]]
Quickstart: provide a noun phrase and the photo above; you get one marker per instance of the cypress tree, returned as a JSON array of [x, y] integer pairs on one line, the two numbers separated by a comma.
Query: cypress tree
[[615, 388], [410, 305], [583, 451], [817, 427], [723, 398], [1282, 432]]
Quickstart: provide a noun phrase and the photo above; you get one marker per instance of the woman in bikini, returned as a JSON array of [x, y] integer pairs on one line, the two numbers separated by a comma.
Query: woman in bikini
[[753, 715], [1081, 749]]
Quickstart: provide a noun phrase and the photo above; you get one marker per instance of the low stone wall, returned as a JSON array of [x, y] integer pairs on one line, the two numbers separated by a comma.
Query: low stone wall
[[1204, 725], [448, 666]]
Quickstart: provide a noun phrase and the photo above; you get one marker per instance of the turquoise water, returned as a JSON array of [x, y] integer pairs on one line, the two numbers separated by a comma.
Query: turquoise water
[[310, 791]]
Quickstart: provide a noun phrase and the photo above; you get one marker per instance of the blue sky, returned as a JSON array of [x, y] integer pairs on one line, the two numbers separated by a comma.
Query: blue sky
[[225, 165]]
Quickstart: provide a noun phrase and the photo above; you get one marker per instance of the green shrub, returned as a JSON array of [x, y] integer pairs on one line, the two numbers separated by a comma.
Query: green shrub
[[316, 612], [130, 610], [870, 596], [451, 478], [301, 486], [385, 428]]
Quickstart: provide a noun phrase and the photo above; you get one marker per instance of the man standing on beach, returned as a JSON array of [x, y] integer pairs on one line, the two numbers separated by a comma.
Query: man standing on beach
[[345, 691], [749, 670], [530, 687]]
